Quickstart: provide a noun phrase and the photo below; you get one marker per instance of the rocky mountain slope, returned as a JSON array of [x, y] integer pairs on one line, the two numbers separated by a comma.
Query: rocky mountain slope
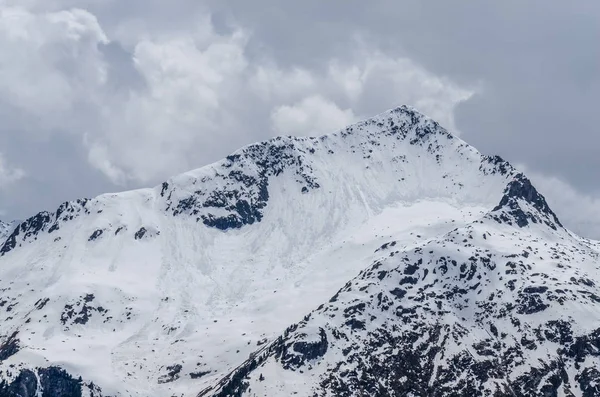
[[456, 279], [505, 306], [6, 228]]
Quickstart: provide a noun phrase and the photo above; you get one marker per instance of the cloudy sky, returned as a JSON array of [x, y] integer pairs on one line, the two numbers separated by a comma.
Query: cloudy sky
[[107, 95]]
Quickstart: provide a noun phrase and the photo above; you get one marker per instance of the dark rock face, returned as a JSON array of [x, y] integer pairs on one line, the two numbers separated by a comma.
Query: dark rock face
[[499, 165], [31, 226], [95, 235], [244, 211], [41, 303], [44, 222], [25, 385], [57, 382], [299, 352], [53, 382], [198, 375], [243, 190], [140, 233], [173, 373], [81, 311], [520, 188], [9, 347]]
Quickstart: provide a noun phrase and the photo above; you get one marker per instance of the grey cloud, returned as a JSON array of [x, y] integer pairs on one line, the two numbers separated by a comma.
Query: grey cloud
[[122, 74], [57, 171]]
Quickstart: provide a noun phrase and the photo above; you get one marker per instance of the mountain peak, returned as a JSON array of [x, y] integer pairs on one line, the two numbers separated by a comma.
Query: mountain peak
[[234, 192], [299, 265], [536, 209], [401, 121]]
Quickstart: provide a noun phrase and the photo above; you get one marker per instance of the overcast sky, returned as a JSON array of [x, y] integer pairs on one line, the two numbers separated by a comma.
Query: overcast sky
[[107, 95]]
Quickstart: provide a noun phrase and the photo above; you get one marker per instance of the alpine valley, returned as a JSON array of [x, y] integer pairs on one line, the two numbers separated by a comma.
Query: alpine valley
[[387, 259]]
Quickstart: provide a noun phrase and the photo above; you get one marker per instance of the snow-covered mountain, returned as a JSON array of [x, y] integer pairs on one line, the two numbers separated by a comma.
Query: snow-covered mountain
[[387, 259]]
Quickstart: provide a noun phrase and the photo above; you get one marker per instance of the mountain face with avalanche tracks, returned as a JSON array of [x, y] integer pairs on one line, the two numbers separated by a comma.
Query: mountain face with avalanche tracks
[[387, 259]]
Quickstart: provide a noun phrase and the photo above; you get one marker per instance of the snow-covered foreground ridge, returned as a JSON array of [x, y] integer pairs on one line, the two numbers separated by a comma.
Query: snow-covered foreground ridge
[[387, 259]]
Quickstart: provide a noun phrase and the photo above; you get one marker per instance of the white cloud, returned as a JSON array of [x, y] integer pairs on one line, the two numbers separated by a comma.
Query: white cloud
[[100, 159], [56, 75], [350, 78], [158, 131], [320, 102], [202, 95], [271, 83], [8, 173], [311, 116], [49, 62], [398, 81]]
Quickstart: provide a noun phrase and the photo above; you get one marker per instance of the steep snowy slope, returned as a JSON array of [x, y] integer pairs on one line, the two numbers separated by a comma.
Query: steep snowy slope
[[505, 306], [168, 291]]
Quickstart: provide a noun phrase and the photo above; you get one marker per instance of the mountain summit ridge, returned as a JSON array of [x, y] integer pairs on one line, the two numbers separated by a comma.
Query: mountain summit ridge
[[233, 279], [262, 160]]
